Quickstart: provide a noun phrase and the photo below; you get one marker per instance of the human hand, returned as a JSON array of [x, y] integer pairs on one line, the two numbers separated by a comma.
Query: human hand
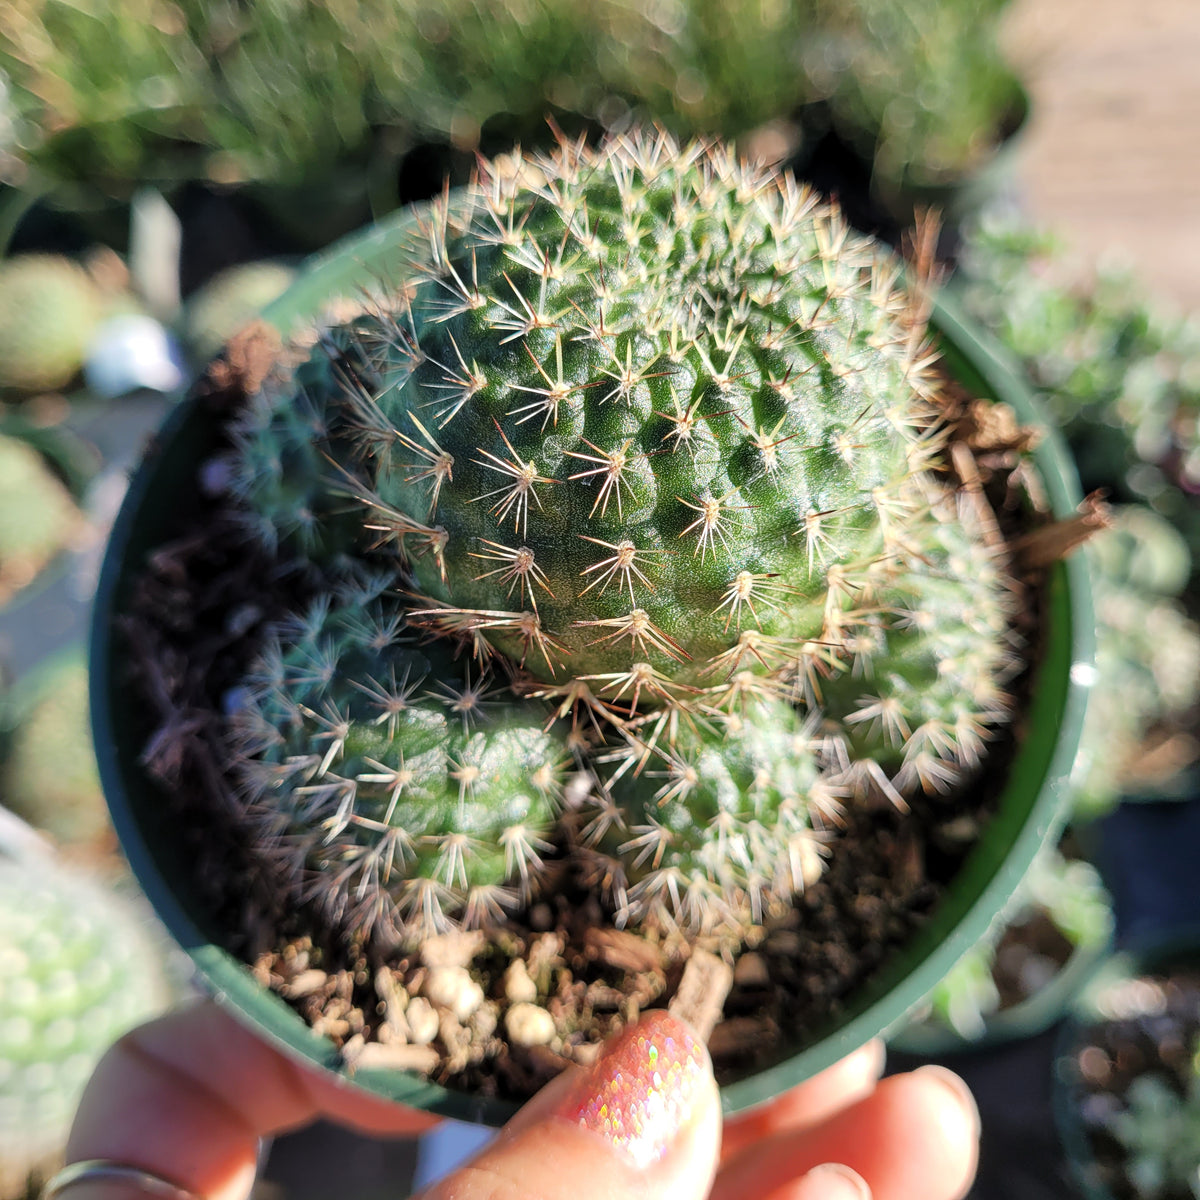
[[187, 1098]]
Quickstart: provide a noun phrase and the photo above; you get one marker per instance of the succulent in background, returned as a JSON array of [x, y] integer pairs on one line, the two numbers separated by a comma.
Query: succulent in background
[[1160, 1132], [1118, 373], [1129, 1084], [50, 308], [923, 90], [48, 775], [275, 91], [650, 440], [1069, 893], [1137, 734], [228, 301], [38, 518], [78, 968]]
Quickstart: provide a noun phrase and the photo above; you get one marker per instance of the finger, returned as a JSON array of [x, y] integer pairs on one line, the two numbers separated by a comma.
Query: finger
[[837, 1087], [189, 1096], [643, 1122], [829, 1181], [915, 1137]]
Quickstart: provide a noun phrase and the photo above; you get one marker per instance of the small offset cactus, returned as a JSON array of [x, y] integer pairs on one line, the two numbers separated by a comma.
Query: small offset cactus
[[392, 760], [78, 968], [643, 445]]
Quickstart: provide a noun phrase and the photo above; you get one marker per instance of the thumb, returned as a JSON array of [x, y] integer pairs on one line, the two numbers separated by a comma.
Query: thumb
[[643, 1121]]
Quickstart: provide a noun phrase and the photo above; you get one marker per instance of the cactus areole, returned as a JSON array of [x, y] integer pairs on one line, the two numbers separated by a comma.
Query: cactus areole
[[623, 477]]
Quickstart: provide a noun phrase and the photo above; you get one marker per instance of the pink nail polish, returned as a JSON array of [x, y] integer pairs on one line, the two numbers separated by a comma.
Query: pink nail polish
[[639, 1094]]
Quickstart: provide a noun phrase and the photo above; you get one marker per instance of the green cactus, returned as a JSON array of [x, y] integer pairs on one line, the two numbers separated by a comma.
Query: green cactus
[[228, 301], [78, 968], [48, 775], [38, 518], [654, 435], [442, 792], [50, 308]]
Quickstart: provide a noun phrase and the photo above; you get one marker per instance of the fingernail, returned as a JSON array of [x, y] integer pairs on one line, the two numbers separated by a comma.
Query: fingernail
[[832, 1181], [640, 1092], [962, 1093]]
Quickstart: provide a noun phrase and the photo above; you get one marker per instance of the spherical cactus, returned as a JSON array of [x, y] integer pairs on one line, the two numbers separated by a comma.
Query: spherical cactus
[[394, 781], [732, 813], [49, 309], [49, 776], [656, 434], [38, 518], [78, 968]]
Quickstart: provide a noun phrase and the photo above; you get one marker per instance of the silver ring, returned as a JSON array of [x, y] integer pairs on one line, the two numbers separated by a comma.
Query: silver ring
[[104, 1170]]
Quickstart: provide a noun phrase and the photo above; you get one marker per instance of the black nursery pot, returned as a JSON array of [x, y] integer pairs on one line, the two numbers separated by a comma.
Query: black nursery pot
[[1173, 952], [1029, 811]]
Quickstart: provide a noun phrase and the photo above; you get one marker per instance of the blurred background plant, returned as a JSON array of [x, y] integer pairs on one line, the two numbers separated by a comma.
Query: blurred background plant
[[1118, 369], [79, 966], [48, 773], [1120, 373], [1022, 977], [371, 103], [1128, 1084], [1160, 1130]]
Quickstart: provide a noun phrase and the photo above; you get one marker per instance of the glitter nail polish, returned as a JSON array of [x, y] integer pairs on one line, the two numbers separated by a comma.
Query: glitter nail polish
[[639, 1094]]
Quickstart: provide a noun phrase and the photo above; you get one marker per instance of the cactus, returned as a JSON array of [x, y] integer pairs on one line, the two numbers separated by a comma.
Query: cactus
[[435, 783], [48, 776], [79, 968], [38, 518], [49, 309], [651, 440]]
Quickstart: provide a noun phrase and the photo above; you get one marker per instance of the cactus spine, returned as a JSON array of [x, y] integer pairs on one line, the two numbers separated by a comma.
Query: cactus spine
[[652, 439]]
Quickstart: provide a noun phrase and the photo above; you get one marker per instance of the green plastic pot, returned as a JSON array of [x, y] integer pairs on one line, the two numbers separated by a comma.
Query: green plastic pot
[[1030, 810], [1175, 949]]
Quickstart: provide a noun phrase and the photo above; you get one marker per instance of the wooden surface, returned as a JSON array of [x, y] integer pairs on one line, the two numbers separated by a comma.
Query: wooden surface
[[1111, 156]]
